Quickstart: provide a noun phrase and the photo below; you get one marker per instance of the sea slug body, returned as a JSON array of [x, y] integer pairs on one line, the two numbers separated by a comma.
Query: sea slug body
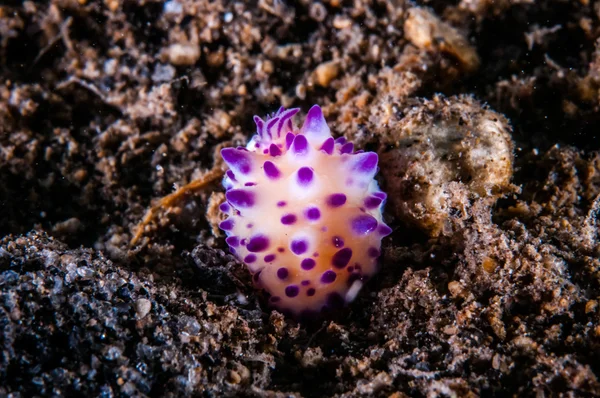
[[304, 213]]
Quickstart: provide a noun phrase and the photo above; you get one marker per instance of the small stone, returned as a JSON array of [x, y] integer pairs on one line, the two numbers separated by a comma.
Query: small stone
[[142, 307]]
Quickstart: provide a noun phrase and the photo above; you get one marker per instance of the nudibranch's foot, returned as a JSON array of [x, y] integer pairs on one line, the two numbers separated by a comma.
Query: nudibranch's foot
[[170, 200]]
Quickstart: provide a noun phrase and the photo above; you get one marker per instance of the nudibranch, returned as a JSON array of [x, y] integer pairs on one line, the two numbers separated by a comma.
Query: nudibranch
[[304, 213]]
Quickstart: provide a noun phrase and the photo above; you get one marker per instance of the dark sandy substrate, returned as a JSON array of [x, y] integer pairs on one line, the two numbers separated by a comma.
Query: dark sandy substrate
[[490, 282]]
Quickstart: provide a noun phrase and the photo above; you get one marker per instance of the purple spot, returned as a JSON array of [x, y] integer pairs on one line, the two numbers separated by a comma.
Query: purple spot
[[315, 254], [237, 160], [307, 264], [313, 213], [249, 184], [288, 219], [249, 225], [364, 224], [269, 257], [340, 140], [271, 170], [384, 230], [347, 148], [328, 276], [299, 246], [335, 301], [232, 250], [250, 258], [275, 299], [373, 252], [310, 292], [365, 162], [350, 269], [281, 203], [292, 291], [336, 200], [233, 241], [372, 202], [280, 249], [256, 276], [305, 175], [226, 225], [342, 258], [265, 151], [224, 207], [243, 242], [305, 283], [300, 145], [338, 241], [258, 243], [328, 146], [282, 273], [274, 150], [231, 175], [240, 198], [289, 138]]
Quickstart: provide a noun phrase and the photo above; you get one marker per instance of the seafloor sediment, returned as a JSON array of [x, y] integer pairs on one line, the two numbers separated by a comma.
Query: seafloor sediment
[[485, 117]]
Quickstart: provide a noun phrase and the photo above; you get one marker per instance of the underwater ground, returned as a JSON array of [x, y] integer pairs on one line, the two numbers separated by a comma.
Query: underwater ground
[[485, 115]]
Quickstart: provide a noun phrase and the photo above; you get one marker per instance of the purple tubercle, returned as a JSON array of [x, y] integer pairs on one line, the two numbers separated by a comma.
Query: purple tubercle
[[271, 170], [310, 292], [274, 150], [340, 140], [289, 138], [305, 282], [313, 213], [288, 219], [299, 246], [305, 176], [336, 200], [270, 125], [307, 264], [237, 160], [281, 203], [372, 202], [269, 258], [285, 116], [226, 225], [260, 125], [347, 148], [342, 257], [328, 276], [250, 258], [249, 184], [364, 224], [300, 145], [240, 198], [328, 146], [315, 124], [258, 243], [365, 163], [224, 207], [233, 241], [384, 230], [381, 195], [231, 175]]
